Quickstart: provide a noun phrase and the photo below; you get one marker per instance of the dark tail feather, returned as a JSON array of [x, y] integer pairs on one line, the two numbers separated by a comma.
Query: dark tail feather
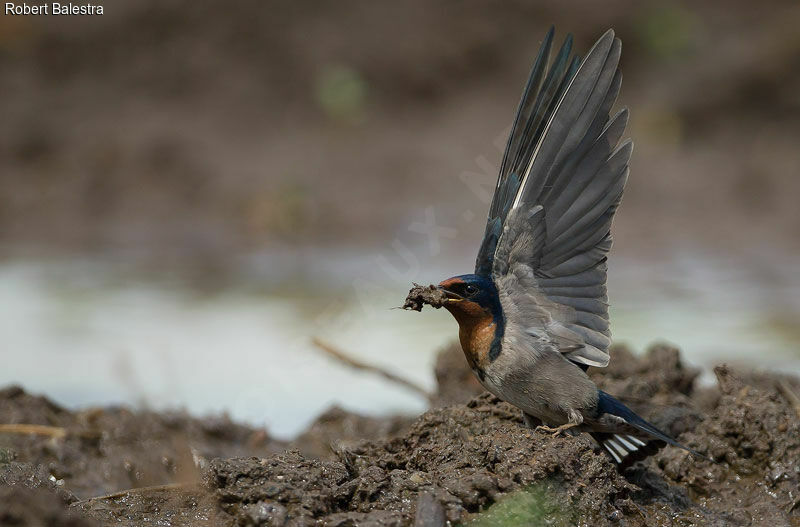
[[619, 445], [626, 450]]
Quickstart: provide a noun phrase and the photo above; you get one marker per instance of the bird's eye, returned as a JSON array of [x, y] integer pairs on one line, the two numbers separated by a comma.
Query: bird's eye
[[470, 289]]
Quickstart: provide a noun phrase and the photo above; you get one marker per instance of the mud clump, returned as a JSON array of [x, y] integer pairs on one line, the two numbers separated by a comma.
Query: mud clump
[[459, 459], [470, 458], [337, 428], [419, 295]]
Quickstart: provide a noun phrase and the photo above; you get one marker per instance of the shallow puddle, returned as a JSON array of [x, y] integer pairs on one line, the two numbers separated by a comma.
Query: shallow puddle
[[83, 335]]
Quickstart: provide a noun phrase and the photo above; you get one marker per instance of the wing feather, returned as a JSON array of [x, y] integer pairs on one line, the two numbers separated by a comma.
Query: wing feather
[[592, 305], [539, 100], [526, 107], [598, 197], [584, 169], [560, 184], [567, 113]]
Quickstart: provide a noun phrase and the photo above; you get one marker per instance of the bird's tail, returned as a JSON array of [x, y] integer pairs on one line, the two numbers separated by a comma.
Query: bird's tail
[[640, 440], [625, 449]]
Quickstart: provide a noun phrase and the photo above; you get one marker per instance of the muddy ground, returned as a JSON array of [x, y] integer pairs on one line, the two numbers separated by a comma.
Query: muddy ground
[[468, 459]]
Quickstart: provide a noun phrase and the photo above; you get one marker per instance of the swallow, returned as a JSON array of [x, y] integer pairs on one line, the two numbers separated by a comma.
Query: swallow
[[534, 315]]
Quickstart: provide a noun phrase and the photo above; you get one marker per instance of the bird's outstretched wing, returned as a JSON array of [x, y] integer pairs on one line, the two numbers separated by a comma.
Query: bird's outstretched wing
[[560, 182]]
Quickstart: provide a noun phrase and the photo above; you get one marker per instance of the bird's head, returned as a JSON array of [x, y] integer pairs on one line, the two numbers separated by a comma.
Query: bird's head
[[471, 297]]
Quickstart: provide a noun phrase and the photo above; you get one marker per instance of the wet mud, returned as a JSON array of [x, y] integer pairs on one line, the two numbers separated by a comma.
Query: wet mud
[[468, 459], [419, 295]]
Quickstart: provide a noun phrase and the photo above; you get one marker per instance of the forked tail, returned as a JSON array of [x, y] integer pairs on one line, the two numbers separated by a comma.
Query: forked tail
[[633, 438]]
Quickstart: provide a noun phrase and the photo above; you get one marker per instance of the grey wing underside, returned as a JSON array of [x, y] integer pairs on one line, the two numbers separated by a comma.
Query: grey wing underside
[[560, 184]]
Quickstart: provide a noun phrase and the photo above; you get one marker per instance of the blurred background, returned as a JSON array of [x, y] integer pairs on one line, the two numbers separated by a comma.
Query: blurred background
[[189, 192]]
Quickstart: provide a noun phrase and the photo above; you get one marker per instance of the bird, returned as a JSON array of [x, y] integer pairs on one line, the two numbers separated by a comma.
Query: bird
[[533, 317]]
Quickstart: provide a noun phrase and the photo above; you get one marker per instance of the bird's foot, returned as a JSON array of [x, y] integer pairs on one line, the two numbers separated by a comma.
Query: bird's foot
[[557, 431]]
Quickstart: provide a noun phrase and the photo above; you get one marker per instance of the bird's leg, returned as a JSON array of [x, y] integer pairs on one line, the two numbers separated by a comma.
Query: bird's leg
[[575, 419]]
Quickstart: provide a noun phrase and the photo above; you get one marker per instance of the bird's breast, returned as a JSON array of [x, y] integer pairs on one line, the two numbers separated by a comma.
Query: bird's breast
[[476, 336]]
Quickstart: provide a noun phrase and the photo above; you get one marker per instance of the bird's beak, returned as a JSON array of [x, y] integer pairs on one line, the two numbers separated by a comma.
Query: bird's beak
[[451, 296]]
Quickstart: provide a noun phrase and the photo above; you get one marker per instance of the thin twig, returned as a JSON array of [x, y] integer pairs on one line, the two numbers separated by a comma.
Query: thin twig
[[789, 394], [40, 430], [137, 490], [358, 365]]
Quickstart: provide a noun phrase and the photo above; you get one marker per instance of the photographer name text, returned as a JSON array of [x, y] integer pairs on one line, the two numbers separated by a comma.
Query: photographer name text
[[53, 8]]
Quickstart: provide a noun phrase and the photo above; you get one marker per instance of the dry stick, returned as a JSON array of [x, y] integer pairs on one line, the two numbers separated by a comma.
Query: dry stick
[[358, 365], [137, 490], [790, 396], [41, 430]]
